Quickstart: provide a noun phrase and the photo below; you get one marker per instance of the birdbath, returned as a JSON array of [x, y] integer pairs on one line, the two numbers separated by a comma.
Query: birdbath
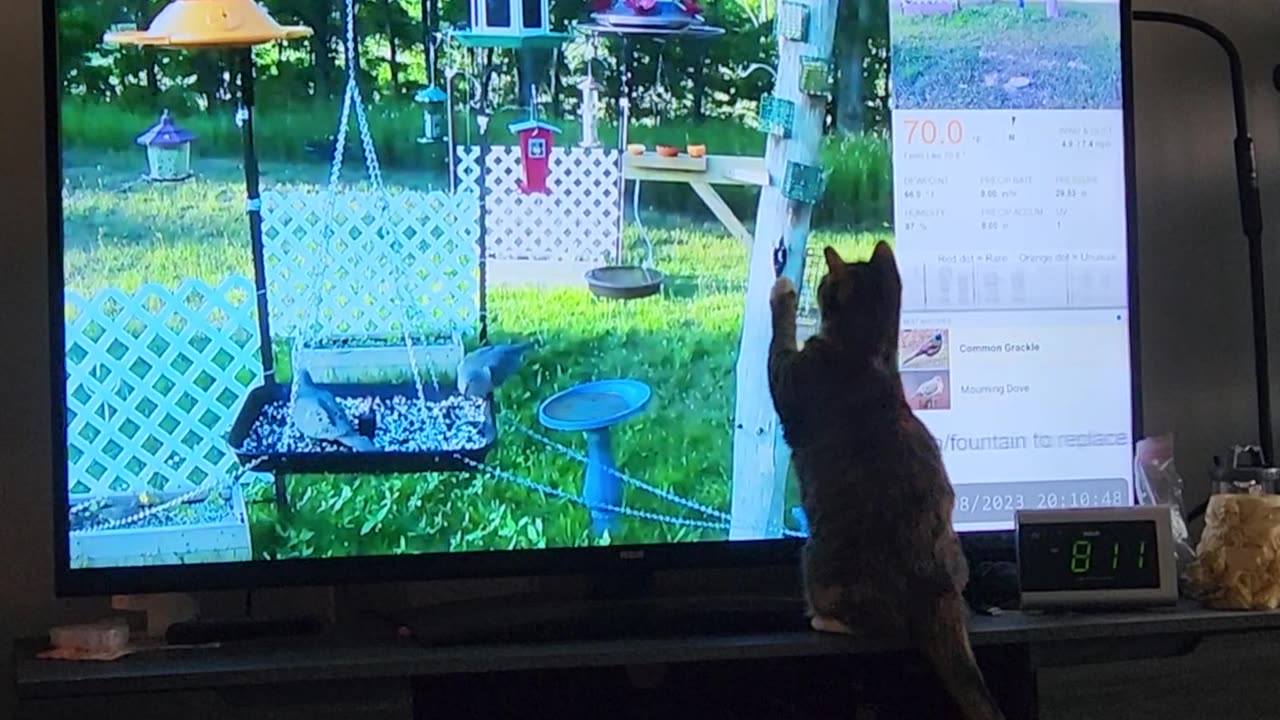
[[593, 408]]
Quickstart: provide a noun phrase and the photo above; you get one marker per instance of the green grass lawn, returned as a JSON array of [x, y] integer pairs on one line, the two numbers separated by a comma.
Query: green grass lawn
[[684, 344], [997, 56]]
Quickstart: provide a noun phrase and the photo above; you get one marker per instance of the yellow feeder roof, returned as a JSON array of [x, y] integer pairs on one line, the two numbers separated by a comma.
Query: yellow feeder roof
[[210, 24]]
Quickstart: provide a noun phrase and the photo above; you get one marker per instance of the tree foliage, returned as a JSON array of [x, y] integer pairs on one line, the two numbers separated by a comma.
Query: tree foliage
[[694, 80]]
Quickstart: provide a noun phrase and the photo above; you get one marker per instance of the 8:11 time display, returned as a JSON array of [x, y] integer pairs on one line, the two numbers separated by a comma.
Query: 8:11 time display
[[1082, 555], [1110, 555]]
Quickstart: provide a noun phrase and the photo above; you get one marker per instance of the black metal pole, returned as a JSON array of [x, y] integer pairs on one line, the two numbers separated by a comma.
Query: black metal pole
[[254, 210], [253, 207], [1250, 214]]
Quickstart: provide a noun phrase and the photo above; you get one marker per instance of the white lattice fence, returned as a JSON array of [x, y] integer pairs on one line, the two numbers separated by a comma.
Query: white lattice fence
[[154, 380], [419, 260], [579, 220]]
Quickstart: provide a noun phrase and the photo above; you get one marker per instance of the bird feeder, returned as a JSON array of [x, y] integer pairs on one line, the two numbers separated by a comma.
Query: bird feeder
[[777, 115], [434, 114], [511, 24], [815, 76], [590, 90], [793, 21], [803, 183], [168, 150], [535, 152], [209, 24]]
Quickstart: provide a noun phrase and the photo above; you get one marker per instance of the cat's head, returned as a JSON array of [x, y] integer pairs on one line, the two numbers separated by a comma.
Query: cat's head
[[860, 302]]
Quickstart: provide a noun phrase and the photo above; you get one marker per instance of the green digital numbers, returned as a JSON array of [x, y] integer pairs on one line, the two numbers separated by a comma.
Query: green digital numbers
[[1081, 557]]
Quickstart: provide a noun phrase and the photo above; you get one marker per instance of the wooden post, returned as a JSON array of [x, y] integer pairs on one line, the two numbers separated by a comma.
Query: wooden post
[[760, 457]]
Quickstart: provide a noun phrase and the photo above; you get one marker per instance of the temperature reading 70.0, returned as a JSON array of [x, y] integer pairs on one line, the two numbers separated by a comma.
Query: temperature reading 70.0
[[928, 132]]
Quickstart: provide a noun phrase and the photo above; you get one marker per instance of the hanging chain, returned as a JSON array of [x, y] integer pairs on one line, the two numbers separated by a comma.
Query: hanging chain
[[208, 486], [635, 482], [579, 500]]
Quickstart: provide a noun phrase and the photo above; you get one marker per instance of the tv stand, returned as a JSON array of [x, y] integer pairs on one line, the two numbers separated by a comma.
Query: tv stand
[[608, 611]]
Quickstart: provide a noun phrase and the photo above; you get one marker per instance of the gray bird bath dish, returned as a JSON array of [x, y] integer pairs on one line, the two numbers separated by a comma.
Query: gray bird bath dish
[[593, 408], [624, 282]]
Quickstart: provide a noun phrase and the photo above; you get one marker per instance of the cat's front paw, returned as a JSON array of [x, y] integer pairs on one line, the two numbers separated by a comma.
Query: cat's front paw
[[783, 295]]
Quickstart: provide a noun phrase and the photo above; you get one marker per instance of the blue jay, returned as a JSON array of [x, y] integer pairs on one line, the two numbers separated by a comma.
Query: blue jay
[[485, 368], [319, 417]]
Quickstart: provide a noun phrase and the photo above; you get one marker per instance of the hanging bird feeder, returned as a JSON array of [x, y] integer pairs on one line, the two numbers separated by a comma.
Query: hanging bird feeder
[[590, 90], [434, 114], [168, 150], [511, 24], [536, 139], [209, 24]]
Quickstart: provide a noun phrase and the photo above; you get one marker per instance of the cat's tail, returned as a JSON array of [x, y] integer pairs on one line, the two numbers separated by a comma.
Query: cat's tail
[[940, 632]]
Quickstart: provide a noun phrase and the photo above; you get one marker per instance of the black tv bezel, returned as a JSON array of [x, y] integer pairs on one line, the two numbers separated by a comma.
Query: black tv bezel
[[70, 582]]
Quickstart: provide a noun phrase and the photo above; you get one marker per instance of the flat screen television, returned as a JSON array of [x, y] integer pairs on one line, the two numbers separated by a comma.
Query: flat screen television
[[525, 308]]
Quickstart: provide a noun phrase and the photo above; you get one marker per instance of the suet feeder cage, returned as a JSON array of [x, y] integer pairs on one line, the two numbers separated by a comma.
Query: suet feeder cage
[[793, 21], [168, 150], [209, 24], [777, 115], [804, 183], [434, 114], [815, 76]]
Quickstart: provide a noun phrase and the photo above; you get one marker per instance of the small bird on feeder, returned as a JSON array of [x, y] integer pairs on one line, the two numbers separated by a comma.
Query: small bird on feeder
[[485, 368], [318, 416], [929, 348]]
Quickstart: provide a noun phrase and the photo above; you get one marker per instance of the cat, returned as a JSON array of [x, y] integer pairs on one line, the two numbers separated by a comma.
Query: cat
[[881, 555]]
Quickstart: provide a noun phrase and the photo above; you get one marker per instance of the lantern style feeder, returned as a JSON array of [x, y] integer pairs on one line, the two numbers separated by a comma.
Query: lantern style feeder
[[168, 150], [435, 121]]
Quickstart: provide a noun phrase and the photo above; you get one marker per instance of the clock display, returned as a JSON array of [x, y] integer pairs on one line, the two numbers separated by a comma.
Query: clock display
[[1085, 556]]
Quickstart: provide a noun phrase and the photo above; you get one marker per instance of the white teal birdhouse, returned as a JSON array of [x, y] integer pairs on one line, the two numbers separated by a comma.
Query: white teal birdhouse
[[435, 123], [590, 90], [511, 24], [168, 150]]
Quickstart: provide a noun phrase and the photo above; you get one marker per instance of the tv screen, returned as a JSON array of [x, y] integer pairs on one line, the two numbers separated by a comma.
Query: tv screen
[[337, 303]]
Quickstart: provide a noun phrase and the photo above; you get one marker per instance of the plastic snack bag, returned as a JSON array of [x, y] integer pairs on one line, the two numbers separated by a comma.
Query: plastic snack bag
[[1158, 482]]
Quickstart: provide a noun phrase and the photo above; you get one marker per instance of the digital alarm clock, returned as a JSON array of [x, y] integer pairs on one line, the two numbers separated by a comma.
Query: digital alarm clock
[[1089, 558]]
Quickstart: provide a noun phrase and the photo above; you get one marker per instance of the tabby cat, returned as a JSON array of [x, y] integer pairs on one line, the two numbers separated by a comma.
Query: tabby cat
[[882, 556]]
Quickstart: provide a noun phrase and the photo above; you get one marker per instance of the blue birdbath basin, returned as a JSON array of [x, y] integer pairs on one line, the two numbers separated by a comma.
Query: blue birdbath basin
[[593, 408]]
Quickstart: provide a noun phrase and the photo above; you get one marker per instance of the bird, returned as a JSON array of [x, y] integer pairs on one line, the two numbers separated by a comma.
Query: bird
[[930, 389], [928, 348], [482, 370], [319, 417]]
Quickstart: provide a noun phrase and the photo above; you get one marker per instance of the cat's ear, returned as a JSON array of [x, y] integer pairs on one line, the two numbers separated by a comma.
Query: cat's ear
[[882, 257], [835, 264]]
